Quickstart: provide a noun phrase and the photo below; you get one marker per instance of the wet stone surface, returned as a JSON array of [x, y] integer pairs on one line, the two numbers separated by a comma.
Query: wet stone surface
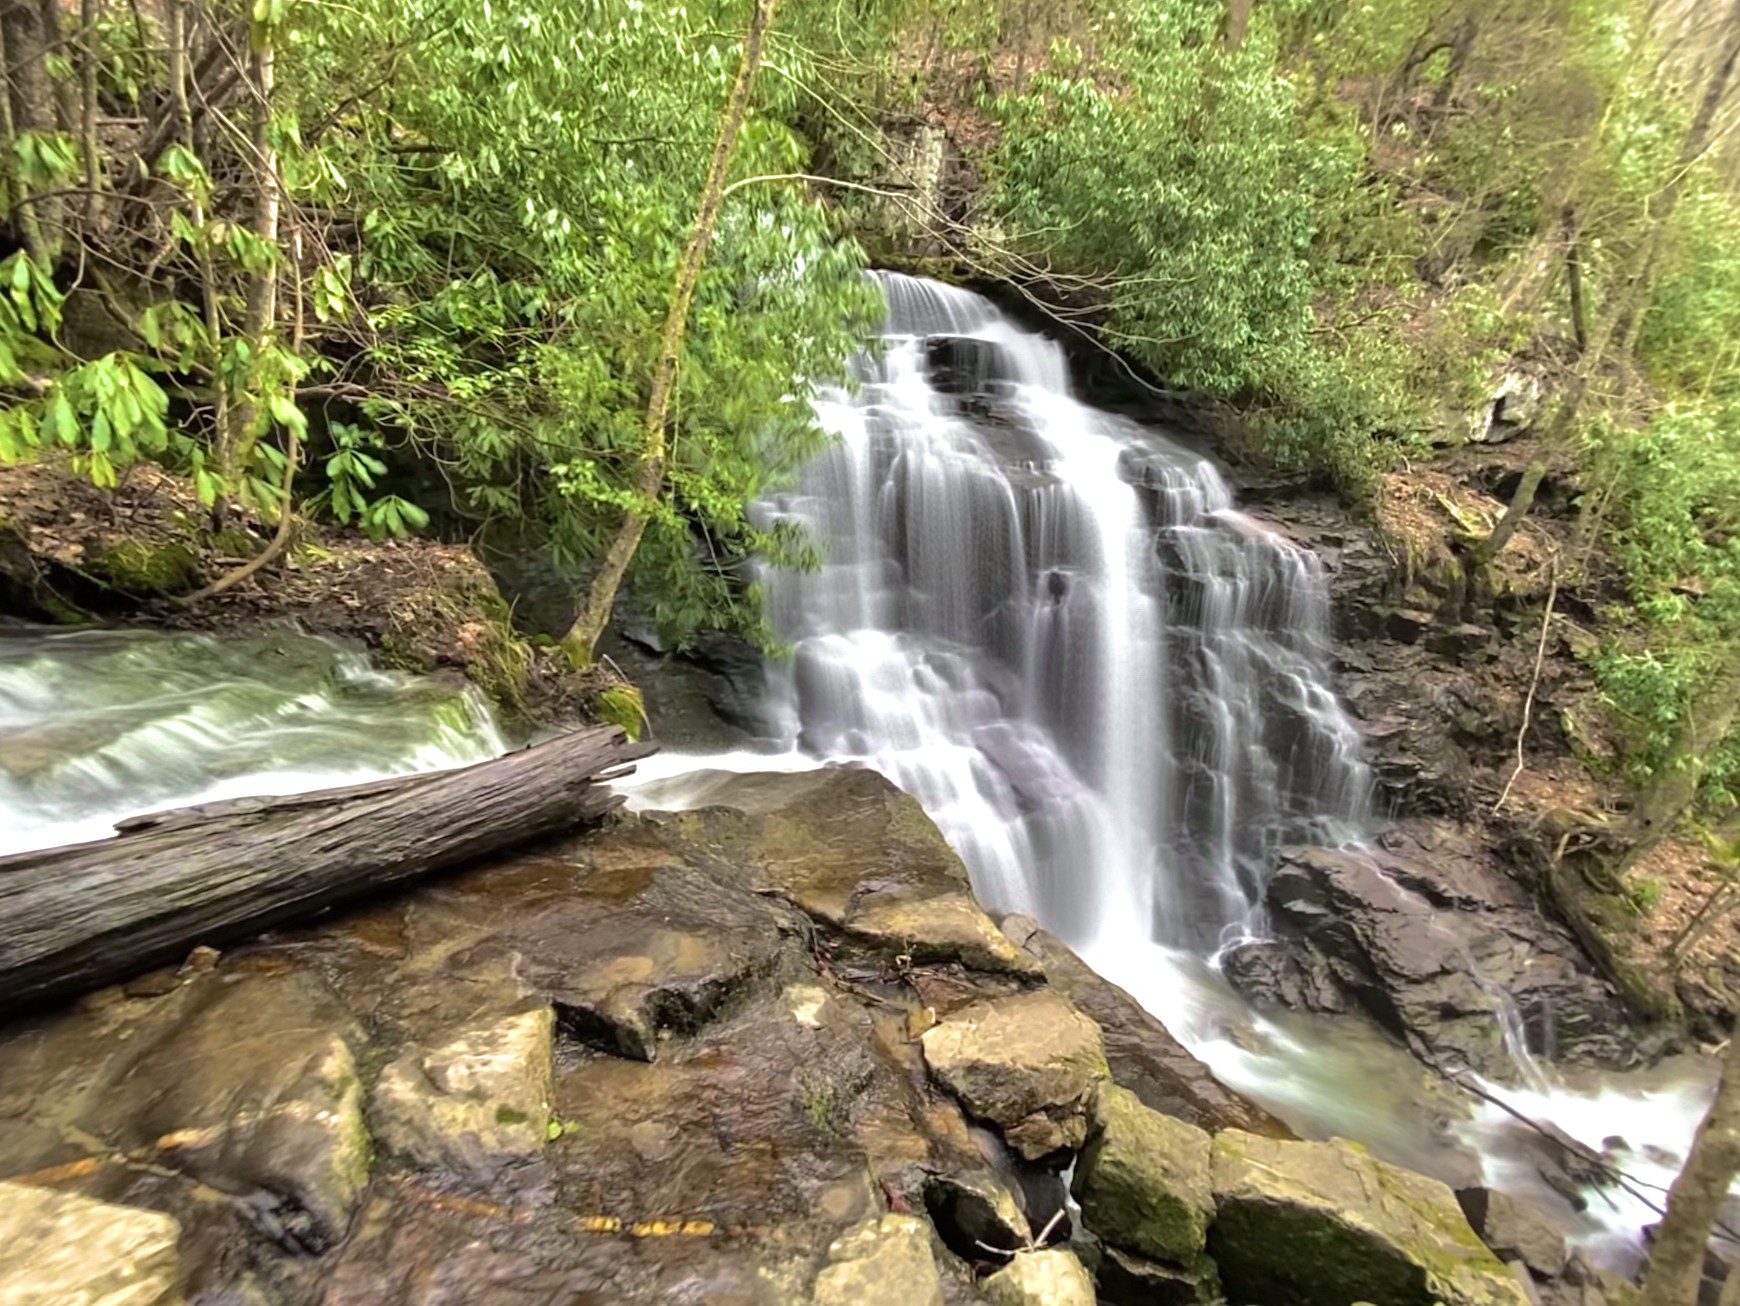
[[726, 1056]]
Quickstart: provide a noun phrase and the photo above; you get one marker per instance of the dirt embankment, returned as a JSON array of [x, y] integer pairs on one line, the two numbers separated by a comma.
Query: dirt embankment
[[70, 553]]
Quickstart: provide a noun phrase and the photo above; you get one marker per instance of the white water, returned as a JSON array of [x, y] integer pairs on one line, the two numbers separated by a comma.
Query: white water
[[98, 725], [1111, 690]]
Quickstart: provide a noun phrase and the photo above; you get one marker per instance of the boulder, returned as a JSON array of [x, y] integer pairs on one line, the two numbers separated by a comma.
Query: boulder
[[945, 927], [1052, 1277], [249, 1083], [1516, 1230], [63, 1250], [1144, 1181], [975, 1212], [1125, 1279], [1026, 1063], [885, 1261], [1143, 1055], [1425, 936], [476, 1103], [1325, 1224]]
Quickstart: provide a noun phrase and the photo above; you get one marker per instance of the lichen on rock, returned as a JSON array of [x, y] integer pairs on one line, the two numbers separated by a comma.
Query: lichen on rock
[[1324, 1224], [1144, 1181]]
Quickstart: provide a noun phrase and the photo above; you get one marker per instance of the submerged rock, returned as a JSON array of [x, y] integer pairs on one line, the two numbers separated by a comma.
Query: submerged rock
[[1053, 1277], [475, 1104], [885, 1261], [1325, 1224], [1026, 1063], [1144, 1181], [62, 1250]]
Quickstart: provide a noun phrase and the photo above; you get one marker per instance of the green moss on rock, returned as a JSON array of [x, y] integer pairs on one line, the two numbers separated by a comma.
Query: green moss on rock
[[144, 567], [1143, 1182]]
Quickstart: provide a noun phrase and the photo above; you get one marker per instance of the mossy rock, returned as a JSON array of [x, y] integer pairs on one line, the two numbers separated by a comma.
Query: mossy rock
[[1143, 1182], [1324, 1224], [144, 568]]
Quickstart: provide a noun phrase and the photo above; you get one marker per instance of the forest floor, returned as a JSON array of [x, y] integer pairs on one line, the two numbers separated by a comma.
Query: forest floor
[[70, 552]]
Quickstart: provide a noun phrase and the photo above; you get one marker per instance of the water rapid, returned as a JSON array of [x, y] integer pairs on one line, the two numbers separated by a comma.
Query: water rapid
[[97, 725]]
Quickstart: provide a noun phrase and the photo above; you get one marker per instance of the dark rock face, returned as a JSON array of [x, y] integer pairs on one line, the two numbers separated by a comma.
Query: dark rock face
[[1438, 944]]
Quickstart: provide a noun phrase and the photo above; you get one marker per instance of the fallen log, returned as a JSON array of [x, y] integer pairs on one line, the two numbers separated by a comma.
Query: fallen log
[[76, 917]]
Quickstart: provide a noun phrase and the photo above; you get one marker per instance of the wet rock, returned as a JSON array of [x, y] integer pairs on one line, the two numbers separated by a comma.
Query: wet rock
[[1143, 1056], [1516, 1230], [62, 1250], [944, 928], [1272, 973], [1026, 1063], [884, 1261], [1053, 1277], [638, 950], [1431, 941], [975, 1213], [249, 1083], [475, 1104], [1125, 1279], [823, 839], [1324, 1224], [1143, 1181]]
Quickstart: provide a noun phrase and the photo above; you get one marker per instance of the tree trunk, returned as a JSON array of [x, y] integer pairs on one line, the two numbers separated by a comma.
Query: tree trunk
[[1618, 329], [1676, 1262], [94, 913], [1709, 717], [1482, 551], [582, 636], [1238, 22], [1574, 278]]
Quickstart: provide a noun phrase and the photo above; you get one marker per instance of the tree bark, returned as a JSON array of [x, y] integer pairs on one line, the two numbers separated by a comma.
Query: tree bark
[[93, 913], [1238, 22], [1676, 1262], [1708, 718], [582, 636]]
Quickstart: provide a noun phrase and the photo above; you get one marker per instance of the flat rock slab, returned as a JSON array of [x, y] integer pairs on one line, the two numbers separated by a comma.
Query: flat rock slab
[[478, 1102], [1326, 1224], [854, 852], [62, 1250], [885, 1261], [1027, 1063]]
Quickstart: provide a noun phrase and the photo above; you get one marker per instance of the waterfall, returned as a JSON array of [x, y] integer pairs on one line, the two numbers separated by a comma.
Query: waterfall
[[1050, 625]]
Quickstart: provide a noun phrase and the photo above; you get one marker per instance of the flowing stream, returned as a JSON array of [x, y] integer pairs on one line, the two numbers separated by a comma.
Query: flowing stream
[[100, 724], [1109, 687]]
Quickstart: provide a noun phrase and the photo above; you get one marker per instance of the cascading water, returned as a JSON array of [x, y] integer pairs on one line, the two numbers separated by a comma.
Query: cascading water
[[1051, 627], [101, 724], [1112, 691]]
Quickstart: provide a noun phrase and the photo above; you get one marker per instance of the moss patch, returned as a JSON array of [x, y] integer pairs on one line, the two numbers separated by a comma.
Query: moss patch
[[146, 568]]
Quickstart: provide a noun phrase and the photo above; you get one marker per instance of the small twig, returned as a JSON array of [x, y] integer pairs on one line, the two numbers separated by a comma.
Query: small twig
[[1534, 685]]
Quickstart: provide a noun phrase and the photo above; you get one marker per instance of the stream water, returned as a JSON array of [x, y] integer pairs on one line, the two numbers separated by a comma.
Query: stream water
[[1052, 626]]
